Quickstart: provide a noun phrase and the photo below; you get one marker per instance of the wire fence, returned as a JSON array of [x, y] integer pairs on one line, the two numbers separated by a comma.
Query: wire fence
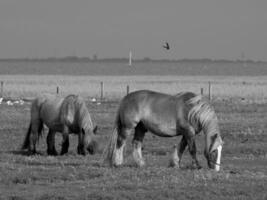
[[114, 88]]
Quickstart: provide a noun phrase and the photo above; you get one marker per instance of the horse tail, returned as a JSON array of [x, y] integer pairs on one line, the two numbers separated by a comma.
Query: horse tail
[[40, 130], [35, 118], [26, 143], [109, 151]]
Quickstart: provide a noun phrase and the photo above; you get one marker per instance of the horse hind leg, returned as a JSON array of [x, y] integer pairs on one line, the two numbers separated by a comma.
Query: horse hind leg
[[121, 140], [192, 151], [34, 137], [182, 146], [140, 131], [50, 140], [65, 144]]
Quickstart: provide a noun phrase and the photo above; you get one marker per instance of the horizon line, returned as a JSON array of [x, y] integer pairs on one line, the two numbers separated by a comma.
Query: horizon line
[[145, 59]]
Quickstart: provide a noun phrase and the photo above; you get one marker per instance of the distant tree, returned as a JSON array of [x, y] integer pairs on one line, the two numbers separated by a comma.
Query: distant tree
[[95, 57], [146, 59]]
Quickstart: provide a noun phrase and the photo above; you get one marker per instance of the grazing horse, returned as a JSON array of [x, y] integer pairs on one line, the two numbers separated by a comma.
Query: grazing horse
[[65, 115], [165, 115]]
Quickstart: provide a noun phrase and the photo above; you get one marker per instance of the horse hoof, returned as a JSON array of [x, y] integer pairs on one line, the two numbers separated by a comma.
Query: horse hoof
[[199, 167], [140, 163], [174, 164], [116, 165], [52, 153], [63, 153], [32, 152], [81, 151]]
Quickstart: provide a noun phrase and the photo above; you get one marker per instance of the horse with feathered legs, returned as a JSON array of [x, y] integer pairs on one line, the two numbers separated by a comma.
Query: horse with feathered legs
[[165, 115], [64, 115]]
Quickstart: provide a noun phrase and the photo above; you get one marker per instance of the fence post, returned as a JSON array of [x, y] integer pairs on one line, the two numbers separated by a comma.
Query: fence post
[[210, 91], [57, 90], [127, 90], [2, 88], [201, 91], [101, 90]]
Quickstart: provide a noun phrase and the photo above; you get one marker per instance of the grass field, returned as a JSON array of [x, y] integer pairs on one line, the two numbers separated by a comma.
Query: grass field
[[243, 174], [240, 100]]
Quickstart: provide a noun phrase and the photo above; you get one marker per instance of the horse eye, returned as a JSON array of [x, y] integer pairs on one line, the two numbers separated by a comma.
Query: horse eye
[[214, 154]]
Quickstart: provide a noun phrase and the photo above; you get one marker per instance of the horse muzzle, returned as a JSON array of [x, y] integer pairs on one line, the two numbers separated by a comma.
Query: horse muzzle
[[214, 159], [92, 148]]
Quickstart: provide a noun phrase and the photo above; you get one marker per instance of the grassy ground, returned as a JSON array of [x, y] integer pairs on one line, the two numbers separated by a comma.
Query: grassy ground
[[243, 174]]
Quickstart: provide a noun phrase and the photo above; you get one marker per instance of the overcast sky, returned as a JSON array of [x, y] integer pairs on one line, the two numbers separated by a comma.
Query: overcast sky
[[217, 29]]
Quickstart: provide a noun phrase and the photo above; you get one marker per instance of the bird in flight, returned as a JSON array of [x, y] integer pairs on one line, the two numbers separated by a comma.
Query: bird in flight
[[166, 46]]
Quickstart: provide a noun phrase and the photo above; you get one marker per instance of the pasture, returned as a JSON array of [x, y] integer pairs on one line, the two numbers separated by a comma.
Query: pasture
[[243, 174], [239, 101]]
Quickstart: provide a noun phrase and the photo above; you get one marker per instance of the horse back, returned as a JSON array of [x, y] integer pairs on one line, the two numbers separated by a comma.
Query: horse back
[[157, 111], [74, 113], [162, 114], [50, 110]]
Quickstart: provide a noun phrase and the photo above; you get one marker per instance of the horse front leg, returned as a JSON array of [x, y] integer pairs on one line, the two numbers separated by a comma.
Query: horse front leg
[[80, 148], [193, 151], [65, 142], [50, 140], [189, 134], [137, 153]]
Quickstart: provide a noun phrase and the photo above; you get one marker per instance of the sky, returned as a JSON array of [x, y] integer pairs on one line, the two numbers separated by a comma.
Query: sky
[[215, 29]]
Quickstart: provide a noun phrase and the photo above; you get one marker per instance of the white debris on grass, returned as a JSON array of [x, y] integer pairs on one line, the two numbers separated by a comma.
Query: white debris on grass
[[21, 102], [9, 103], [93, 99]]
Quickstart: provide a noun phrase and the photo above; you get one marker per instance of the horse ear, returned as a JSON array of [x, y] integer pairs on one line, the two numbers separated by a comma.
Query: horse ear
[[216, 142], [95, 130]]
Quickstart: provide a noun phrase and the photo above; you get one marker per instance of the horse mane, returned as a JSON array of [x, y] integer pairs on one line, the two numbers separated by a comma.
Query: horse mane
[[78, 107], [202, 114], [84, 115]]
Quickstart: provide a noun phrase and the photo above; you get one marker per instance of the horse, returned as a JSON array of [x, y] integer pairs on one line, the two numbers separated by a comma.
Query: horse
[[65, 115], [164, 115]]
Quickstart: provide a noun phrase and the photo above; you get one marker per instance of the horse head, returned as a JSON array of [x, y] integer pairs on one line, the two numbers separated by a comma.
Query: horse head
[[202, 115], [89, 140], [213, 152]]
